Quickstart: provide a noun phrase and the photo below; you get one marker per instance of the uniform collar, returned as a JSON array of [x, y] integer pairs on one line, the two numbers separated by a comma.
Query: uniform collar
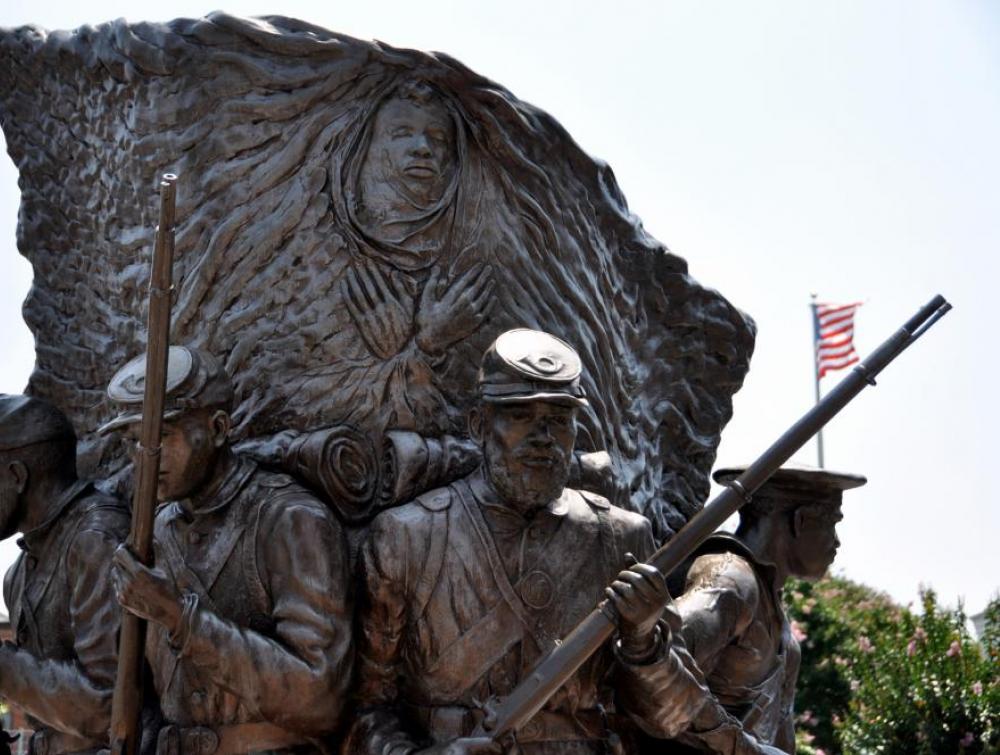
[[220, 497], [34, 540]]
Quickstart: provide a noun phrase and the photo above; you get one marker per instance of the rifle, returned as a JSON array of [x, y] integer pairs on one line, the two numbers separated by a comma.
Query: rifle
[[126, 707], [505, 716]]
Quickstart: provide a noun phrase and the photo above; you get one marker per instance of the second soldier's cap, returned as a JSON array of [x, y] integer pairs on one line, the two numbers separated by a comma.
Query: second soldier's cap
[[530, 365], [26, 420], [195, 380], [795, 485]]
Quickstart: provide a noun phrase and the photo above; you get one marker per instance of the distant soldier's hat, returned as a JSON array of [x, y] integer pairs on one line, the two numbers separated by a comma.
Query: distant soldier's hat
[[26, 420], [195, 380], [794, 485], [529, 365]]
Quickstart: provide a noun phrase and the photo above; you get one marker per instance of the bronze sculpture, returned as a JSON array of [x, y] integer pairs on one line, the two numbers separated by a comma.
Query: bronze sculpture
[[734, 623], [349, 272], [61, 669], [466, 587], [343, 282], [250, 628]]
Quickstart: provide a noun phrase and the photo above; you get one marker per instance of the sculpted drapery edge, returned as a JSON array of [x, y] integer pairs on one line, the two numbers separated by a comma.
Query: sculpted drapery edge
[[283, 268]]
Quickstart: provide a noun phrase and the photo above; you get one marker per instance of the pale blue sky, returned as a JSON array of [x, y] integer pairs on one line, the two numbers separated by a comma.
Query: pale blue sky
[[847, 148]]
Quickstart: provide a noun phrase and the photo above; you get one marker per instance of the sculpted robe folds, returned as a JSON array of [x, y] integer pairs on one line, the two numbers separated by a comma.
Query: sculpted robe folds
[[461, 598], [344, 278], [65, 618], [265, 639]]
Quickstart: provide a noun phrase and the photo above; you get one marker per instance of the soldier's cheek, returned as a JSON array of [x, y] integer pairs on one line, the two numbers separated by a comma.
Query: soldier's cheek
[[8, 505]]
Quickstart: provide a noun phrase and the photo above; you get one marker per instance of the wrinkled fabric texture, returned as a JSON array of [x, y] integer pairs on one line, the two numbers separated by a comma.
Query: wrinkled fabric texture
[[65, 618], [266, 121], [266, 628], [460, 600], [737, 632]]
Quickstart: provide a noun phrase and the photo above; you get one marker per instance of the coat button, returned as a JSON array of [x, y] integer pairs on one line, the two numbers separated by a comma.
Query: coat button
[[198, 697], [194, 537]]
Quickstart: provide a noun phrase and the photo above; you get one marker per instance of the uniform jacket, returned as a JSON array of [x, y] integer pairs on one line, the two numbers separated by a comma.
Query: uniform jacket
[[65, 619], [265, 636], [462, 598], [737, 631]]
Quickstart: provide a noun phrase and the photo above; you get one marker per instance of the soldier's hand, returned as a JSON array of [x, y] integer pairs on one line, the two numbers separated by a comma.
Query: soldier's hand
[[465, 746], [147, 593], [640, 595]]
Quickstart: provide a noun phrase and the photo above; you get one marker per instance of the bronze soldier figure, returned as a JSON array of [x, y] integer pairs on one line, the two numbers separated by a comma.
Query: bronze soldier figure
[[465, 588], [61, 669], [250, 627], [734, 624]]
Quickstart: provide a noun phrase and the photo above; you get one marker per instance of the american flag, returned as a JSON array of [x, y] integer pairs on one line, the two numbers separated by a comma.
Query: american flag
[[834, 325]]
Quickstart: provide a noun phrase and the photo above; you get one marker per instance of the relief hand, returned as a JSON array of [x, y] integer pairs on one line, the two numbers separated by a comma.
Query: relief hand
[[639, 595], [147, 593], [381, 311], [458, 312]]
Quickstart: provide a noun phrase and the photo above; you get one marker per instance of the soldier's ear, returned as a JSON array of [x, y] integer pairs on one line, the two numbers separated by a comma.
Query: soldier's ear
[[19, 472], [221, 425], [477, 421], [798, 519]]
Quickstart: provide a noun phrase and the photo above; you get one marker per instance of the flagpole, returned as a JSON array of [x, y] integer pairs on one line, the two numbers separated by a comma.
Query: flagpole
[[815, 350]]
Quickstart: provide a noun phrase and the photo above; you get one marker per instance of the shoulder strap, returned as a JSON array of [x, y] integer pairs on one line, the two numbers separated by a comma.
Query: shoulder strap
[[610, 542], [503, 583]]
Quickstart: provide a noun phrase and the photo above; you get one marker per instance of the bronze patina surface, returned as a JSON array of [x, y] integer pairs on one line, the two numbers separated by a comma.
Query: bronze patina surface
[[467, 587], [249, 641], [356, 224], [734, 622], [60, 669]]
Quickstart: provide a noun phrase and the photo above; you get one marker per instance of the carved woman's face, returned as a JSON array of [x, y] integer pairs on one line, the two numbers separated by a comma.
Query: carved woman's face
[[415, 143]]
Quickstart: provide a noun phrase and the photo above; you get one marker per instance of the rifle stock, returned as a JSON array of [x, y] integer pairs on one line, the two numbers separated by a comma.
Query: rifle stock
[[509, 714], [126, 708]]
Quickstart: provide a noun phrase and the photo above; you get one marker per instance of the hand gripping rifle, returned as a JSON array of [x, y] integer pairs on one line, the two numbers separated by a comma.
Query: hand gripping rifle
[[126, 708], [505, 716]]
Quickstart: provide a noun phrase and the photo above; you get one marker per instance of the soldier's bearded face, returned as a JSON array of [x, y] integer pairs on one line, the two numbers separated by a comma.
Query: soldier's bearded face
[[187, 457], [815, 543], [528, 448]]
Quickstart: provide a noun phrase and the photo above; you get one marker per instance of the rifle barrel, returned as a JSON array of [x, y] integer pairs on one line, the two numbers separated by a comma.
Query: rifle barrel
[[126, 708], [558, 666]]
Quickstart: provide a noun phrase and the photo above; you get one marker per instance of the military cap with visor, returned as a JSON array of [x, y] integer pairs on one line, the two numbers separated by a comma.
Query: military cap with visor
[[195, 380], [530, 365], [26, 420], [794, 485]]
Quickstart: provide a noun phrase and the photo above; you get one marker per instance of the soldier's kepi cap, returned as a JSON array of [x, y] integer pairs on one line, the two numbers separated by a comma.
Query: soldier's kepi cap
[[529, 365], [195, 380], [26, 420], [794, 485]]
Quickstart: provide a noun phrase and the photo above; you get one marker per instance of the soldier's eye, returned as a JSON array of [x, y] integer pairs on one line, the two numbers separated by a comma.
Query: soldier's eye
[[401, 132]]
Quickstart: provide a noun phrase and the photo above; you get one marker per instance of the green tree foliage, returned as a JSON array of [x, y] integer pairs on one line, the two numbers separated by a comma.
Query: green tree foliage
[[879, 678]]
